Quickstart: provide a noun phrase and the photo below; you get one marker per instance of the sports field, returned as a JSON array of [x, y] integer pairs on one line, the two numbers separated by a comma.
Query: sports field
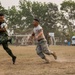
[[29, 63]]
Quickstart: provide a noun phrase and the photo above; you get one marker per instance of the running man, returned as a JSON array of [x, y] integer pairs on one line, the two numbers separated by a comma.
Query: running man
[[4, 37], [42, 46]]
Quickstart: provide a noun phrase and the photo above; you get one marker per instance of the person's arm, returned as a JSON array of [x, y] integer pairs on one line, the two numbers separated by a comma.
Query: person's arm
[[3, 29], [32, 36]]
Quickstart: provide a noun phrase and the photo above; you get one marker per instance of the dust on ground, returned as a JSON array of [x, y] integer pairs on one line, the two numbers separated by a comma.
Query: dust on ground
[[29, 63]]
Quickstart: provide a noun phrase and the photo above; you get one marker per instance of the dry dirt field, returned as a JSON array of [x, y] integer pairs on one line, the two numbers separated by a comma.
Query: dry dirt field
[[29, 63]]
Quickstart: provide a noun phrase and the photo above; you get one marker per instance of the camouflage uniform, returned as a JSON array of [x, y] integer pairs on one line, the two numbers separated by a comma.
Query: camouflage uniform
[[3, 37], [3, 40], [42, 47]]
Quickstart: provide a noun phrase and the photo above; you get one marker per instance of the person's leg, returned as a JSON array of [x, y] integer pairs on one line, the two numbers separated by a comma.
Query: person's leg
[[5, 46], [9, 40], [41, 54], [46, 50]]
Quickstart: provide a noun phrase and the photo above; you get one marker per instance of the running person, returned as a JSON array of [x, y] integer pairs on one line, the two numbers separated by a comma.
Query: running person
[[4, 37], [42, 46]]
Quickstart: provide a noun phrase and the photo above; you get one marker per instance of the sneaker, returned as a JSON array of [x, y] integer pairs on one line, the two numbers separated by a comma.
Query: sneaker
[[14, 59], [54, 55]]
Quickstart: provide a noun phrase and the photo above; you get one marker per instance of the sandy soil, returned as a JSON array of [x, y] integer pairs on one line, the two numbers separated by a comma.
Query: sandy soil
[[29, 63]]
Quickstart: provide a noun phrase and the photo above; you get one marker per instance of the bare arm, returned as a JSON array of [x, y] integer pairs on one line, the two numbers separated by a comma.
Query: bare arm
[[32, 36], [2, 29]]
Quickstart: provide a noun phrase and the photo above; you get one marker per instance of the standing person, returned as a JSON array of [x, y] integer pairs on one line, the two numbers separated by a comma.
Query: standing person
[[42, 46], [65, 41], [4, 37], [48, 38]]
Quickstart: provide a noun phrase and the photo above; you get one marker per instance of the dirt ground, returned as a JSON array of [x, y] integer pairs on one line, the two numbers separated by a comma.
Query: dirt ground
[[29, 63]]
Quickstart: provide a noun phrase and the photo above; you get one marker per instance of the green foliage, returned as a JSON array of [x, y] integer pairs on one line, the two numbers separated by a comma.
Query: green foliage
[[46, 13], [20, 19], [2, 9], [69, 8]]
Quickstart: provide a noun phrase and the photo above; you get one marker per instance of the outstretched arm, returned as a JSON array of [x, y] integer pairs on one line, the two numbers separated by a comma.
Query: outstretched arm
[[32, 36]]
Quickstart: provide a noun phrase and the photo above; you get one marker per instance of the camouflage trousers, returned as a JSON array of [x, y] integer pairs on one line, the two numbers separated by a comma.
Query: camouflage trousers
[[3, 41], [3, 38], [42, 48]]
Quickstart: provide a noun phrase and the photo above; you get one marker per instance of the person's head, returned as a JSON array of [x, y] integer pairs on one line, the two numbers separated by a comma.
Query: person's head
[[1, 17], [35, 22]]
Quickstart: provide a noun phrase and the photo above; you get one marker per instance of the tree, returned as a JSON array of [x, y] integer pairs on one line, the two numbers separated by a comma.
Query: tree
[[2, 9], [26, 13], [46, 13], [21, 18], [13, 18], [69, 15]]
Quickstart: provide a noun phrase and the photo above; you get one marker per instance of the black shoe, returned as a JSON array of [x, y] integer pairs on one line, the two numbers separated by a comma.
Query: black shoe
[[14, 59]]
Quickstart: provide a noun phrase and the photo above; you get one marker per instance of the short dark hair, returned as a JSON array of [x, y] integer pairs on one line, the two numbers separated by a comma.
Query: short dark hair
[[37, 20], [1, 14]]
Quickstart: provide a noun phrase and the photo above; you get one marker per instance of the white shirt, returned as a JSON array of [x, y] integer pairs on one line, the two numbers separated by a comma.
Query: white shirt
[[65, 41], [36, 31]]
